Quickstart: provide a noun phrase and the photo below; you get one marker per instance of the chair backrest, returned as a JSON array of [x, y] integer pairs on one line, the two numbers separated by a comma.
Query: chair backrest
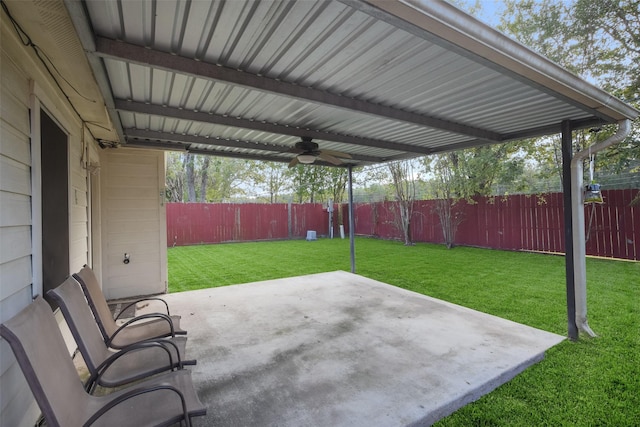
[[97, 301], [82, 324], [39, 348]]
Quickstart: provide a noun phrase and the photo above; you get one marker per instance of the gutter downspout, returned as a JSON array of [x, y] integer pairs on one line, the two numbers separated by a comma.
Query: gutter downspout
[[577, 214]]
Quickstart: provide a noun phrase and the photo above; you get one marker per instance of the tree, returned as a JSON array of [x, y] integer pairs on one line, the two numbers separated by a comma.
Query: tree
[[608, 31], [608, 34], [304, 182], [596, 39], [403, 178], [448, 189], [481, 168], [189, 167], [465, 174], [337, 183], [377, 183], [313, 183], [174, 180], [226, 178], [336, 186], [272, 178], [204, 177], [196, 170]]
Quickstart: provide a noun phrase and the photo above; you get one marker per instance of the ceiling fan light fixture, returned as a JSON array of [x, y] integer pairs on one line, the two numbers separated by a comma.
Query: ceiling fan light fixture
[[306, 158]]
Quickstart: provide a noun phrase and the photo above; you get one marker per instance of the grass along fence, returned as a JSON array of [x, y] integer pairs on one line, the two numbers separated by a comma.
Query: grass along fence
[[586, 383], [517, 222]]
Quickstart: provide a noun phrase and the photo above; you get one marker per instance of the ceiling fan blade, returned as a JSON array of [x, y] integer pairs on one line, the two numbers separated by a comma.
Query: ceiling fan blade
[[337, 154], [329, 158], [294, 162]]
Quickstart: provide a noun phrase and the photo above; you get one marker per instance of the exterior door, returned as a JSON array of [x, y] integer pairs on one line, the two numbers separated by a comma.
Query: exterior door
[[55, 204]]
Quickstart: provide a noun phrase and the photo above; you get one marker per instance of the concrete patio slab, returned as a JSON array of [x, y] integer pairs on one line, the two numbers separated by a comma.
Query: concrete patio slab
[[338, 349]]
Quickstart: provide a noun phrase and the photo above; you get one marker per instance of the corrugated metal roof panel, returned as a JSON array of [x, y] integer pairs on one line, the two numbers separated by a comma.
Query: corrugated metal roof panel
[[352, 50]]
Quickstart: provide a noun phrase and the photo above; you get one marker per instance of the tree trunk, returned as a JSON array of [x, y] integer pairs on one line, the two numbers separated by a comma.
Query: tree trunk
[[448, 221], [404, 186], [191, 178], [204, 179]]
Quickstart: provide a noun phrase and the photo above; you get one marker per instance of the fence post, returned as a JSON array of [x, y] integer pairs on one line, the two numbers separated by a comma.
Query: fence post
[[289, 226]]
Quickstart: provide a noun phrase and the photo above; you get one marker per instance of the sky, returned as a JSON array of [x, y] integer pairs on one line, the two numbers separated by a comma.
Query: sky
[[489, 12]]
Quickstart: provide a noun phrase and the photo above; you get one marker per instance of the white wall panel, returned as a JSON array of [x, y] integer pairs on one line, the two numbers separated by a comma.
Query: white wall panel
[[16, 209], [134, 222]]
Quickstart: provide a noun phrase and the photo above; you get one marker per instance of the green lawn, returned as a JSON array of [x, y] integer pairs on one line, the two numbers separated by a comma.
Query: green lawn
[[592, 382]]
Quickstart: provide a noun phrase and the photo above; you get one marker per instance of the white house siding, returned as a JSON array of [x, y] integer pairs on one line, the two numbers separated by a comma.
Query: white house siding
[[16, 402], [22, 77], [134, 222]]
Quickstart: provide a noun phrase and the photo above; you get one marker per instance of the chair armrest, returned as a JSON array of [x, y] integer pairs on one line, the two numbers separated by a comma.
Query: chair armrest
[[140, 300], [137, 392], [106, 364], [142, 317]]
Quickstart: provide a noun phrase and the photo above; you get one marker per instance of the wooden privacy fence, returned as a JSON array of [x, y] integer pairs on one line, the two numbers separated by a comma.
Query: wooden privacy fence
[[197, 223], [517, 222]]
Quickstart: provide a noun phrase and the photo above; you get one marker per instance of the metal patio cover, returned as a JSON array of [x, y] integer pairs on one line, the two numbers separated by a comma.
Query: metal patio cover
[[380, 80]]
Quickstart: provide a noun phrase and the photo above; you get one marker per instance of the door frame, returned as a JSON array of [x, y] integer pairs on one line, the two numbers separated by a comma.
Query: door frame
[[38, 101]]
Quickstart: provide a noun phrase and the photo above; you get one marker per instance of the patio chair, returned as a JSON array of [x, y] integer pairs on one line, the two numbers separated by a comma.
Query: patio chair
[[139, 328], [39, 348], [108, 368]]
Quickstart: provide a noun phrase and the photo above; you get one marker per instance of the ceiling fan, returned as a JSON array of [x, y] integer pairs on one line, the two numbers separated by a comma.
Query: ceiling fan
[[308, 151]]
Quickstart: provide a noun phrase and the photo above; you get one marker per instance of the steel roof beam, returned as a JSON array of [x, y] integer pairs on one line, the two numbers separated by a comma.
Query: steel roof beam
[[149, 57], [162, 145], [238, 155], [318, 162], [515, 136], [200, 116], [195, 139], [168, 146], [221, 142], [553, 129]]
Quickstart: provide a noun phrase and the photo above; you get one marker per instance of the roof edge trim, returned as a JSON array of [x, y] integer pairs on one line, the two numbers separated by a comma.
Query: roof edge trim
[[455, 26]]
